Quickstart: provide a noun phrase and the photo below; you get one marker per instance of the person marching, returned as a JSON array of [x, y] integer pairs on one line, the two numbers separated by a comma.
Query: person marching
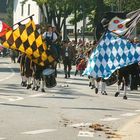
[[22, 70], [28, 71], [123, 76], [51, 38], [67, 56]]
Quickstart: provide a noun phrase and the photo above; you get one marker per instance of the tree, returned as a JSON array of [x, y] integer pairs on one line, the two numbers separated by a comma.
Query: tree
[[57, 11], [9, 17], [3, 6], [123, 5]]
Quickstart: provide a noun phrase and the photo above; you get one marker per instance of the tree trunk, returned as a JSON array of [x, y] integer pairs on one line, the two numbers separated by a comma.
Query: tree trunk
[[75, 25]]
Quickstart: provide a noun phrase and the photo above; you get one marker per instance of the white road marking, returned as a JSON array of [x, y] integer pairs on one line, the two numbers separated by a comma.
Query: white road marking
[[128, 114], [7, 89], [38, 131], [36, 95], [11, 99], [137, 110], [65, 85], [70, 81], [2, 102], [109, 119], [80, 124], [17, 99], [2, 138], [10, 76], [85, 134], [53, 90]]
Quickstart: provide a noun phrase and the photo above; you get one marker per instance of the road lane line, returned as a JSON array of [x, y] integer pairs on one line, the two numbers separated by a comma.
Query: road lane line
[[10, 76], [109, 119], [38, 131], [85, 134], [128, 114]]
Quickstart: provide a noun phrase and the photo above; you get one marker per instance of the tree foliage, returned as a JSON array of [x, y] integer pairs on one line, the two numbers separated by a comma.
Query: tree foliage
[[58, 10], [123, 5]]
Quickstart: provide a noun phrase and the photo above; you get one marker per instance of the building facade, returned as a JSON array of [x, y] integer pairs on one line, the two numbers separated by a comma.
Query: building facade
[[21, 11]]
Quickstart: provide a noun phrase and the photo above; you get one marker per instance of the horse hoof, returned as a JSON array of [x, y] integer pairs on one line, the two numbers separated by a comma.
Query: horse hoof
[[125, 97], [117, 94]]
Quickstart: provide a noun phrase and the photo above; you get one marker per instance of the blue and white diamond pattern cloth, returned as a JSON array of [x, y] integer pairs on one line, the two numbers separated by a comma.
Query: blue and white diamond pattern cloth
[[111, 54]]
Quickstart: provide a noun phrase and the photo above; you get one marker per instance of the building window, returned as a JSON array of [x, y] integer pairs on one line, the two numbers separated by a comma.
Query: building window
[[70, 31], [28, 9], [22, 10]]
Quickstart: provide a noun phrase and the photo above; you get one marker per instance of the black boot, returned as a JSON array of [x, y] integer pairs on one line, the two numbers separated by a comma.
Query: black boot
[[69, 74], [92, 87], [42, 90], [125, 97], [96, 90], [76, 72], [117, 94], [66, 76], [29, 86], [89, 84], [37, 88]]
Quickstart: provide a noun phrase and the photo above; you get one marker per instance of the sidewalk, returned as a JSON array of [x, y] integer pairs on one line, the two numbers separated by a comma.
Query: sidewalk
[[130, 131]]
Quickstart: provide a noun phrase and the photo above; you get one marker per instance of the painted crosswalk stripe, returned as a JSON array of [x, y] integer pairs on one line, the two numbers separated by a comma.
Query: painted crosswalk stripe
[[85, 134], [80, 124], [38, 131], [128, 114], [109, 119]]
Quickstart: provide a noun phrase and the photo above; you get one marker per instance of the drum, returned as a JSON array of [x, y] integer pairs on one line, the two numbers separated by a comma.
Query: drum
[[112, 79], [49, 78]]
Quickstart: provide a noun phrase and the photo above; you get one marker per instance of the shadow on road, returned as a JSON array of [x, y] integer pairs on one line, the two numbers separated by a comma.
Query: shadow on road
[[81, 108], [58, 97], [18, 105], [5, 69]]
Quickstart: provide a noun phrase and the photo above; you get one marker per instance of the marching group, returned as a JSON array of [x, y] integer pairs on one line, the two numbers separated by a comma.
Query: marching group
[[72, 53]]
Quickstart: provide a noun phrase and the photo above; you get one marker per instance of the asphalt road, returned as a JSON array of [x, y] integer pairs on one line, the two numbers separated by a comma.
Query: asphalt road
[[72, 112]]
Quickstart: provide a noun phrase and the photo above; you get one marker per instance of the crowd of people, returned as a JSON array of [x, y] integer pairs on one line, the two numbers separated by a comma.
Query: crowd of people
[[73, 53]]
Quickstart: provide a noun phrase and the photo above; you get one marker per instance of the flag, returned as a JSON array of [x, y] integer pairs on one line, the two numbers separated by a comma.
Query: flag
[[4, 28], [111, 54], [120, 23], [27, 39]]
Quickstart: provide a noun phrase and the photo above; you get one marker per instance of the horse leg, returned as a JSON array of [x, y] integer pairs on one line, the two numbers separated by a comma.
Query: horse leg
[[103, 87], [119, 84], [97, 85], [126, 81], [125, 91]]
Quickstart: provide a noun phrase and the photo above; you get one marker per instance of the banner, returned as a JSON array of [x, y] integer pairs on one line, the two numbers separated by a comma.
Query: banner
[[27, 39], [111, 54]]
